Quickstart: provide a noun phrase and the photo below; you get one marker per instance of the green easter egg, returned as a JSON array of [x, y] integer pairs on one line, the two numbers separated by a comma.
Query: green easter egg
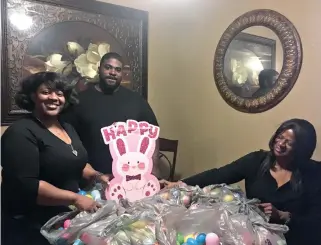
[[180, 238]]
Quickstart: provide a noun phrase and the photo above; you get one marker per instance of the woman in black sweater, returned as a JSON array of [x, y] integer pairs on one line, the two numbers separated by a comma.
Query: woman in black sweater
[[43, 161], [285, 180]]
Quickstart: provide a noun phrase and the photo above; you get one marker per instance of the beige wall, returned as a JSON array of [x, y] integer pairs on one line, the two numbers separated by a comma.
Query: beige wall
[[183, 35]]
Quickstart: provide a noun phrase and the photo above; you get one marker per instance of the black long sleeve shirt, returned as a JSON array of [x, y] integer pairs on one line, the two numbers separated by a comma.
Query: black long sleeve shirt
[[304, 205], [31, 153]]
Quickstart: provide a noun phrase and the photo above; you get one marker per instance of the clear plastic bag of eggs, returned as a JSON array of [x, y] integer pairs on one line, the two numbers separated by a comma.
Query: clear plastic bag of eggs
[[181, 195], [224, 193], [65, 227], [142, 228]]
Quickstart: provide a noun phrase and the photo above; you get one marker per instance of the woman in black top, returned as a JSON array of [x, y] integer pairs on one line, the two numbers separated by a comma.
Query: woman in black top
[[285, 180], [43, 161]]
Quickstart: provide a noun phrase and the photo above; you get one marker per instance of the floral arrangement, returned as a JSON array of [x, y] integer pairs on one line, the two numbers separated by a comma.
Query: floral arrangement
[[77, 62]]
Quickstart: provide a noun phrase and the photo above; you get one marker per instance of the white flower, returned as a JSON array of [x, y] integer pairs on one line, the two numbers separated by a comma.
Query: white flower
[[87, 63], [75, 48], [55, 64], [84, 67]]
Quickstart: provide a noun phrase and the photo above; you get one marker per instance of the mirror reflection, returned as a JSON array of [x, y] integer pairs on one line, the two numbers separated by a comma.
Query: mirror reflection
[[253, 62]]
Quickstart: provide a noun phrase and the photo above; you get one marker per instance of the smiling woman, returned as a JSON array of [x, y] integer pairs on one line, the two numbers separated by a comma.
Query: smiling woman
[[284, 179], [45, 89], [43, 161]]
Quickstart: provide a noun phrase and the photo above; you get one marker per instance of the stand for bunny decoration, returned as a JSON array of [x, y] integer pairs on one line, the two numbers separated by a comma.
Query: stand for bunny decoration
[[131, 145]]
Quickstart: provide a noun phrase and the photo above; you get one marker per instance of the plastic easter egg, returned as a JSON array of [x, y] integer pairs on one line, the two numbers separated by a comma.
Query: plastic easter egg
[[189, 193], [78, 242], [186, 200], [215, 192], [212, 239], [180, 238], [122, 236], [191, 241], [177, 243], [207, 189], [60, 228], [183, 193], [165, 195], [188, 236], [176, 193], [61, 241], [96, 195], [66, 236], [89, 196], [228, 198], [85, 237], [200, 239], [67, 223], [83, 193], [148, 241], [139, 224]]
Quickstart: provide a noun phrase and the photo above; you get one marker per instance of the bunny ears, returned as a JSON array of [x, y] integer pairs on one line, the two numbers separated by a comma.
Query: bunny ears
[[121, 147]]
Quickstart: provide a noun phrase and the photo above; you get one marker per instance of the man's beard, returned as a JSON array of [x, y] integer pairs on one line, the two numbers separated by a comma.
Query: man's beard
[[106, 88]]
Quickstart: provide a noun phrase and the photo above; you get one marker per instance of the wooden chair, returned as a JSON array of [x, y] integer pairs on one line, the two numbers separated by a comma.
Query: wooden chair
[[167, 145]]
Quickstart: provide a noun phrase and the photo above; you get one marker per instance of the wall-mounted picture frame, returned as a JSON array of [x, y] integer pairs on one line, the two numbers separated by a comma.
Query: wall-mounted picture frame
[[68, 37]]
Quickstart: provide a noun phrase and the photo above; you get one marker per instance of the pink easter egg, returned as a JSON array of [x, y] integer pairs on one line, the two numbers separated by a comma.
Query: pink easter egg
[[67, 223], [186, 200], [85, 238], [66, 236], [212, 239]]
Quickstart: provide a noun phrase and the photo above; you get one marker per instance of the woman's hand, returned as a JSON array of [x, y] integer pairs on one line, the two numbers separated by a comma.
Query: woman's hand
[[274, 213], [268, 209], [104, 178], [84, 203], [168, 185]]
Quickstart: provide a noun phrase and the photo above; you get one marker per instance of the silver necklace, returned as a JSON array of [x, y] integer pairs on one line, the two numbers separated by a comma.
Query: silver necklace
[[75, 152]]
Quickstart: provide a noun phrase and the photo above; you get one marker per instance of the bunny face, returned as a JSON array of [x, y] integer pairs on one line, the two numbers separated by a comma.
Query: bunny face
[[132, 164]]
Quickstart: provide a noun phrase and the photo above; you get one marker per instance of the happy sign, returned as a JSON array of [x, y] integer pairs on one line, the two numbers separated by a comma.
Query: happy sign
[[131, 145]]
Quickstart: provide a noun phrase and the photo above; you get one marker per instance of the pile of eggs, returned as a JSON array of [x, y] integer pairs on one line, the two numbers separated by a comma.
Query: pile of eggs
[[198, 239], [218, 193], [184, 196], [95, 194]]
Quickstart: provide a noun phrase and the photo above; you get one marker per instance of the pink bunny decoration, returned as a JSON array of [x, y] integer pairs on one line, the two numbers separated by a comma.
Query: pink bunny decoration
[[132, 168]]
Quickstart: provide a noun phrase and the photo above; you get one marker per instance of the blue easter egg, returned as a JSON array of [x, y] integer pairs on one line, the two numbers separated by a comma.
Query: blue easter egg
[[200, 239], [61, 241], [83, 193], [78, 242], [60, 228], [191, 241], [96, 195]]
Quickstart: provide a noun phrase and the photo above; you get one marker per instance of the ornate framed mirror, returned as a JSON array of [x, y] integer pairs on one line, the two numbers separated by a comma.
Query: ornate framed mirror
[[257, 61]]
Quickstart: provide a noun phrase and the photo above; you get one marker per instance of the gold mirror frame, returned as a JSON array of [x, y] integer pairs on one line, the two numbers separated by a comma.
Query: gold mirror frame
[[292, 60]]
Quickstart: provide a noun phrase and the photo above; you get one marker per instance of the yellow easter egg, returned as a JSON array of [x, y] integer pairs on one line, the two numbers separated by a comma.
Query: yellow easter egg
[[188, 236], [89, 196], [228, 198], [165, 195], [139, 224]]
